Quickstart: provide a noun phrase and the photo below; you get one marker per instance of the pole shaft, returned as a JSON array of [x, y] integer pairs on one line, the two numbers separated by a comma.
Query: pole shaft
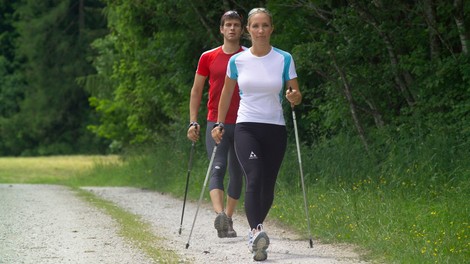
[[301, 174], [202, 192], [190, 165]]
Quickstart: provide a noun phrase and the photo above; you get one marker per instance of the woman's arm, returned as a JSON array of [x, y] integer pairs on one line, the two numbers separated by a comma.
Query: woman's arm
[[224, 104]]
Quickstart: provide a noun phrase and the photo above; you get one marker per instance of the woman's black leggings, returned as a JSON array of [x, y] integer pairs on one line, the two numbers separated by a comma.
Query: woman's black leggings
[[260, 149]]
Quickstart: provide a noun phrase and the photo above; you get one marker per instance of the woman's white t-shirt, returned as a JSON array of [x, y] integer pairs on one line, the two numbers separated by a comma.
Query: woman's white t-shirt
[[261, 81]]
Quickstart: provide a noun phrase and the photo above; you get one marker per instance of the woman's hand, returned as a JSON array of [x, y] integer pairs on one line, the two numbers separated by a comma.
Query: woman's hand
[[293, 96], [217, 133]]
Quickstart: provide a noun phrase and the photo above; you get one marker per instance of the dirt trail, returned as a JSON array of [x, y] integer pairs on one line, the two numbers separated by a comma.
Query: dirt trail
[[50, 224], [164, 214]]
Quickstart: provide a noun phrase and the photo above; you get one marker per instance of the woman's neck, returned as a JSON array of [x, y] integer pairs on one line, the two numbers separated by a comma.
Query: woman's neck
[[260, 50]]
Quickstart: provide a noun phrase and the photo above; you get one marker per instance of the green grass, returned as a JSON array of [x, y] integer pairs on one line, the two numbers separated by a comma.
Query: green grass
[[49, 169], [411, 207], [390, 225], [134, 229]]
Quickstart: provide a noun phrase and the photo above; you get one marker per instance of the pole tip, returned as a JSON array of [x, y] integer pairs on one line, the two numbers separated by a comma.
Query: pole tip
[[187, 245], [311, 243]]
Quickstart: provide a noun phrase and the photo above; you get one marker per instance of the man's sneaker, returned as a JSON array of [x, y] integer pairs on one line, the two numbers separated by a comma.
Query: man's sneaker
[[231, 232], [221, 224], [258, 243]]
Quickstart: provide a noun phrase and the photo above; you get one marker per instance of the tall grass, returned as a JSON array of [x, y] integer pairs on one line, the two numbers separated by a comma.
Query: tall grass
[[48, 170], [406, 202]]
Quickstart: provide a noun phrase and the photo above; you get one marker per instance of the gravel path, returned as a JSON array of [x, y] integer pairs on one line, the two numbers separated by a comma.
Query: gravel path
[[49, 224]]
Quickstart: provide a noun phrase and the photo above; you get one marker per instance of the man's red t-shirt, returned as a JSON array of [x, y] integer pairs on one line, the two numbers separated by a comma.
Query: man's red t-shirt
[[213, 63]]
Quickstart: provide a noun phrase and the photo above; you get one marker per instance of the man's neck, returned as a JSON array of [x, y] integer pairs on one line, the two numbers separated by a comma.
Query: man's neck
[[230, 47]]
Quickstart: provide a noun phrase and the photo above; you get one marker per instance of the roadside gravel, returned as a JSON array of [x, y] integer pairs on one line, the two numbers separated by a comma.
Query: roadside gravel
[[50, 224]]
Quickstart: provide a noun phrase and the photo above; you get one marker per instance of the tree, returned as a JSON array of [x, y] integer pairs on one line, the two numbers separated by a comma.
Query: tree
[[153, 50], [52, 50]]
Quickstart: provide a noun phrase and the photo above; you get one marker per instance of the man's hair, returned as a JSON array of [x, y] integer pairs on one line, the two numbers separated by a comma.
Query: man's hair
[[232, 14]]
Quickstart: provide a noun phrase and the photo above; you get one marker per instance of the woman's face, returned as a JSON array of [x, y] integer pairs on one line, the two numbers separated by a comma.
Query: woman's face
[[260, 27]]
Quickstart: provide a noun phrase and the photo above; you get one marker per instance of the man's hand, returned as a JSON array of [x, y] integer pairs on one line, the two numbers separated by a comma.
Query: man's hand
[[193, 131]]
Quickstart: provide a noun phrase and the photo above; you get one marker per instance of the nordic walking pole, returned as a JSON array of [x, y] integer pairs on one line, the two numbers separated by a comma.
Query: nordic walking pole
[[202, 192], [301, 171], [190, 165]]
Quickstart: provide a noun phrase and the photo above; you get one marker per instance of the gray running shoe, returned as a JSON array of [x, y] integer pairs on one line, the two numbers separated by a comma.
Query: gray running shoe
[[221, 224], [231, 232], [260, 244]]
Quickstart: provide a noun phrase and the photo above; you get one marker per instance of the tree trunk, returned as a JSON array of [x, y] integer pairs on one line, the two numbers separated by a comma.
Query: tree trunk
[[352, 105], [431, 20], [402, 79], [210, 31], [374, 111], [459, 20], [81, 18]]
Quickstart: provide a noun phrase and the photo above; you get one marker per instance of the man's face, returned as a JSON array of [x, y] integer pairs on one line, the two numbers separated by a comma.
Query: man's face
[[232, 29]]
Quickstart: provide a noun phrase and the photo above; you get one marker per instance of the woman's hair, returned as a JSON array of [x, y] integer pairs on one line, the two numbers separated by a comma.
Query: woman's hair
[[258, 10], [232, 14]]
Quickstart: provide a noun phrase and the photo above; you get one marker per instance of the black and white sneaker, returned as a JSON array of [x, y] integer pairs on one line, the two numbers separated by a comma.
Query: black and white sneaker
[[259, 243]]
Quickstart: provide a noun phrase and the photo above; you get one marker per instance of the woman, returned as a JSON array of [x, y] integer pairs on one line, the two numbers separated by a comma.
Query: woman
[[261, 72], [213, 64]]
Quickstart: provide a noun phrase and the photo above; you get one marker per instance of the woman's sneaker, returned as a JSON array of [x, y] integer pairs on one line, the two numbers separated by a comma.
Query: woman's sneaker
[[231, 232], [258, 243], [221, 224]]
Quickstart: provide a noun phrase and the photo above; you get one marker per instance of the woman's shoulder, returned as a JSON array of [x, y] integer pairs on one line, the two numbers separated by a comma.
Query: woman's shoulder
[[239, 55], [282, 52]]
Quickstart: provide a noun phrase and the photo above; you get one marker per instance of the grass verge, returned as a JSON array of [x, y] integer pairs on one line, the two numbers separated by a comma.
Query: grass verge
[[133, 229]]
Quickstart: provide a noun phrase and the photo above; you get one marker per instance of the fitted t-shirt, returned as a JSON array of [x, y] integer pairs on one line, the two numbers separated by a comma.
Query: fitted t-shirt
[[261, 81], [213, 63]]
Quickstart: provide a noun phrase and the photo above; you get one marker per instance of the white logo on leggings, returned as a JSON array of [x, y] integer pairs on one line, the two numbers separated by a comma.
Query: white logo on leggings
[[253, 156]]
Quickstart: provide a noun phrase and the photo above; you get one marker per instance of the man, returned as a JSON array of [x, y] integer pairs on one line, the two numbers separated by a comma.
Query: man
[[213, 64]]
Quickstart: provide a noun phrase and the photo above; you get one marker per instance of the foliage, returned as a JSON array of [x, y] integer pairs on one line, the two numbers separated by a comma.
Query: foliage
[[47, 111], [362, 66], [153, 62]]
